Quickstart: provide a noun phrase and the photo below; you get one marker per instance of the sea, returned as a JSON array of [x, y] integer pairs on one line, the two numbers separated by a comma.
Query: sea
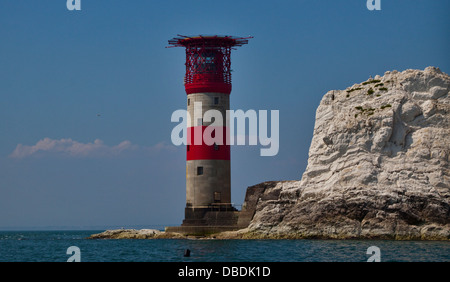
[[67, 245]]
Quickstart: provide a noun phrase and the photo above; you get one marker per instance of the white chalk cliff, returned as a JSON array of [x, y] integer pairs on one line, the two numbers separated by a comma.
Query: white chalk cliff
[[378, 165]]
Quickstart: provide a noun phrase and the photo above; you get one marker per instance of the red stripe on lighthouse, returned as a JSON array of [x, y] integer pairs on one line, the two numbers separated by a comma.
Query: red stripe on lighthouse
[[199, 87], [202, 151]]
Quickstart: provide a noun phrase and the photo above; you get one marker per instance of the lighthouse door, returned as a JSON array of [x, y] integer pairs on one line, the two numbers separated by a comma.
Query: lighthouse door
[[216, 197]]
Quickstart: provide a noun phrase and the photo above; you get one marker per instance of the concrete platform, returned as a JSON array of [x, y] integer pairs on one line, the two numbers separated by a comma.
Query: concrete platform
[[200, 230]]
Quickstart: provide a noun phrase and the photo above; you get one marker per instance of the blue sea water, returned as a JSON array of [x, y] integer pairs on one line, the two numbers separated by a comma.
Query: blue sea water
[[51, 246]]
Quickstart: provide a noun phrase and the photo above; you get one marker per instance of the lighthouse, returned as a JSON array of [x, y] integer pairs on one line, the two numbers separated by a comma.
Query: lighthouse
[[207, 84]]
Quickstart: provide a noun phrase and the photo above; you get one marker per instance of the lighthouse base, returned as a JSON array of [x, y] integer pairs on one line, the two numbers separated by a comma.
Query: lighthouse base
[[211, 216], [201, 221], [207, 220]]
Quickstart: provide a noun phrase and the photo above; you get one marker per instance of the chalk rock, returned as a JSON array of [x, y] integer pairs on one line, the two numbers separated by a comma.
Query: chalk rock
[[378, 165]]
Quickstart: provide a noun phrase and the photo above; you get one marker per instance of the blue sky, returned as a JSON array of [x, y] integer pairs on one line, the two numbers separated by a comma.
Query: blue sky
[[86, 96]]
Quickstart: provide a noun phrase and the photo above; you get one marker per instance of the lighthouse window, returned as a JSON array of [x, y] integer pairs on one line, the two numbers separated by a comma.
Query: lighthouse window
[[188, 147], [199, 121], [199, 170], [216, 147], [189, 102], [205, 62], [216, 100]]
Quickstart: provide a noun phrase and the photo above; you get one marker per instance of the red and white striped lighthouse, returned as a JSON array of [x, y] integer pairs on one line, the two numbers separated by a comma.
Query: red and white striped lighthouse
[[208, 87]]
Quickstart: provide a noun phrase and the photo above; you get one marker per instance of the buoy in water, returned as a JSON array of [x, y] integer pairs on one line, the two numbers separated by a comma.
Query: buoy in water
[[187, 253]]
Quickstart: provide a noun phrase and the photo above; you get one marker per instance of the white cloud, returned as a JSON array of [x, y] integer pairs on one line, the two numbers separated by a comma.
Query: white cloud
[[72, 148]]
